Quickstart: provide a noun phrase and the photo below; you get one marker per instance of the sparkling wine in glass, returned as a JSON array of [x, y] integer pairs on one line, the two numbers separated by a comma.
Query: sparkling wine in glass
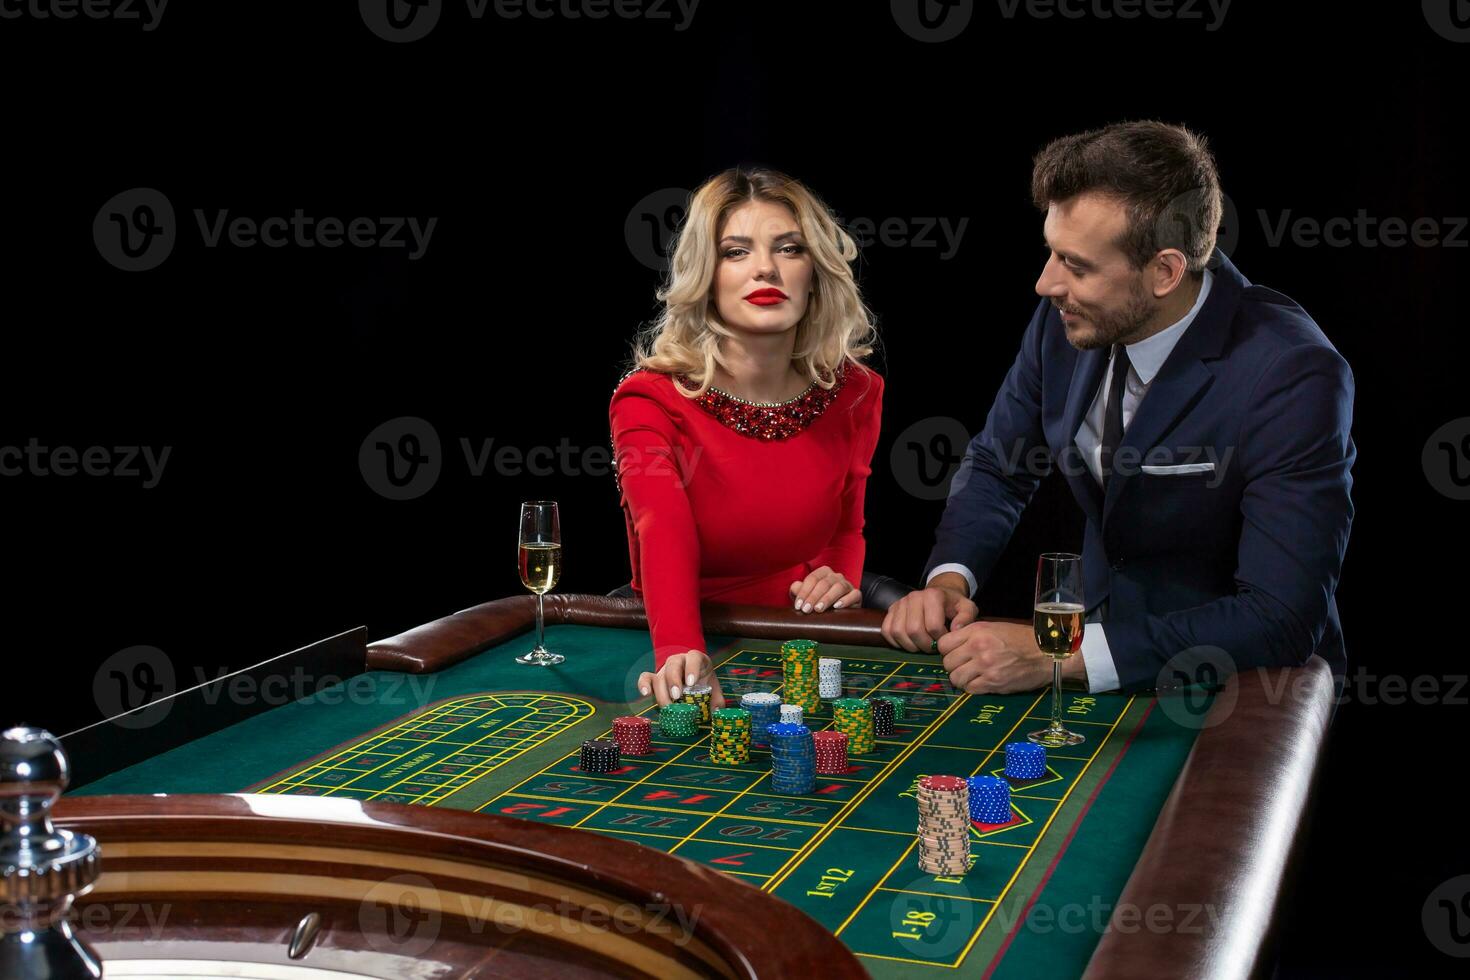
[[540, 567], [1057, 620]]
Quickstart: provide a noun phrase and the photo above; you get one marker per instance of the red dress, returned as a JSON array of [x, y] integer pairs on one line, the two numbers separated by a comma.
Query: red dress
[[714, 513]]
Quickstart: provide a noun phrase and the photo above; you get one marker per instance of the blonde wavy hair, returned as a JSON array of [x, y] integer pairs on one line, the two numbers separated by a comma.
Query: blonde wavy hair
[[685, 338]]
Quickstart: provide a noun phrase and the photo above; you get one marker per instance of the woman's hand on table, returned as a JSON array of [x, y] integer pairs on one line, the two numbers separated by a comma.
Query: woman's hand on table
[[680, 671], [824, 589]]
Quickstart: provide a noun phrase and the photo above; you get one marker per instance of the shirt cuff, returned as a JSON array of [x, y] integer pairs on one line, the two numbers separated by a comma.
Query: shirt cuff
[[962, 570], [1102, 673]]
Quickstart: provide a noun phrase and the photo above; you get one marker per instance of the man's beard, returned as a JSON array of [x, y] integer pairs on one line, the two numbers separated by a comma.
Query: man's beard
[[1110, 328]]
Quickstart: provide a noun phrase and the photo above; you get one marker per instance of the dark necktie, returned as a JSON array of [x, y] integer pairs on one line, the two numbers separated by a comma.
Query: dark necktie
[[1112, 433]]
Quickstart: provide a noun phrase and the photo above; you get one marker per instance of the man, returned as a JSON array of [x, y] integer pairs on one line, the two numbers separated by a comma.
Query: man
[[1202, 423]]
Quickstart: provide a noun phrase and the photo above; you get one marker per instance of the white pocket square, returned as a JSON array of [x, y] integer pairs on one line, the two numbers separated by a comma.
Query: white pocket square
[[1180, 469]]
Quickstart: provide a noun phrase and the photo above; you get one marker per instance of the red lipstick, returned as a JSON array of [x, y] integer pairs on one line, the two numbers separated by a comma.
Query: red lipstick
[[766, 297]]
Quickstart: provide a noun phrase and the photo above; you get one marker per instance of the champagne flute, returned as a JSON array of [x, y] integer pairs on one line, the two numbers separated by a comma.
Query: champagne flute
[[1057, 620], [540, 565]]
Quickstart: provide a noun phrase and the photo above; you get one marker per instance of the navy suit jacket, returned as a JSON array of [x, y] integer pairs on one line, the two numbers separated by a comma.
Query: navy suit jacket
[[1244, 558]]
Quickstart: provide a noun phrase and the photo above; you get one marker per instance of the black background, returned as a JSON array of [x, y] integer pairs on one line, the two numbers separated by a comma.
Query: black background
[[534, 143]]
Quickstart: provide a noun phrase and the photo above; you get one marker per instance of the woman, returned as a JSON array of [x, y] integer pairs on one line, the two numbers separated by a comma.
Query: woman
[[744, 434]]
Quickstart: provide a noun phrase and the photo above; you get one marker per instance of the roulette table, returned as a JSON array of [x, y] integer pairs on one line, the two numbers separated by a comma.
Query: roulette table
[[1164, 843]]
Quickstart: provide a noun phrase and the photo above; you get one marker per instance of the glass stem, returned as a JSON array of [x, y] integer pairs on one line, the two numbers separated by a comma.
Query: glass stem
[[1056, 695], [540, 621]]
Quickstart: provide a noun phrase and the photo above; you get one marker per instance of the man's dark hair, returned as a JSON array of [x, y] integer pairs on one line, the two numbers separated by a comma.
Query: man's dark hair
[[1164, 176]]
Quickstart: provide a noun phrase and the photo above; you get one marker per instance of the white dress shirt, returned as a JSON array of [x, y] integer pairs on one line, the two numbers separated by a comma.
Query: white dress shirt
[[1145, 358]]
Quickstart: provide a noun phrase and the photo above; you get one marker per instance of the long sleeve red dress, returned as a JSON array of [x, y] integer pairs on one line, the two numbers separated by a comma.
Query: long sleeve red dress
[[732, 501]]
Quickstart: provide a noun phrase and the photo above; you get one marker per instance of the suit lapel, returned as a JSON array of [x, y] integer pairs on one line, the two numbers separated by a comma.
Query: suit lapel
[[1086, 374], [1183, 377]]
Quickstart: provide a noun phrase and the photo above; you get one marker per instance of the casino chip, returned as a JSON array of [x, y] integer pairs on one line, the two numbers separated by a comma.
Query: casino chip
[[791, 714], [679, 720], [599, 755], [829, 678], [765, 710], [729, 737], [990, 799], [944, 825], [1025, 760], [793, 759], [831, 748], [882, 717], [799, 674], [855, 717], [699, 695], [634, 734]]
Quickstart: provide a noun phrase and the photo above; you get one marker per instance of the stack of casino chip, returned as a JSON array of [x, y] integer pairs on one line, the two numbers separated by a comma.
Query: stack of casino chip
[[831, 749], [599, 755], [855, 717], [765, 710], [1025, 760], [990, 799], [799, 667], [699, 696], [944, 825], [793, 759], [893, 699], [829, 678], [634, 734], [679, 720], [791, 714], [882, 717], [729, 736]]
